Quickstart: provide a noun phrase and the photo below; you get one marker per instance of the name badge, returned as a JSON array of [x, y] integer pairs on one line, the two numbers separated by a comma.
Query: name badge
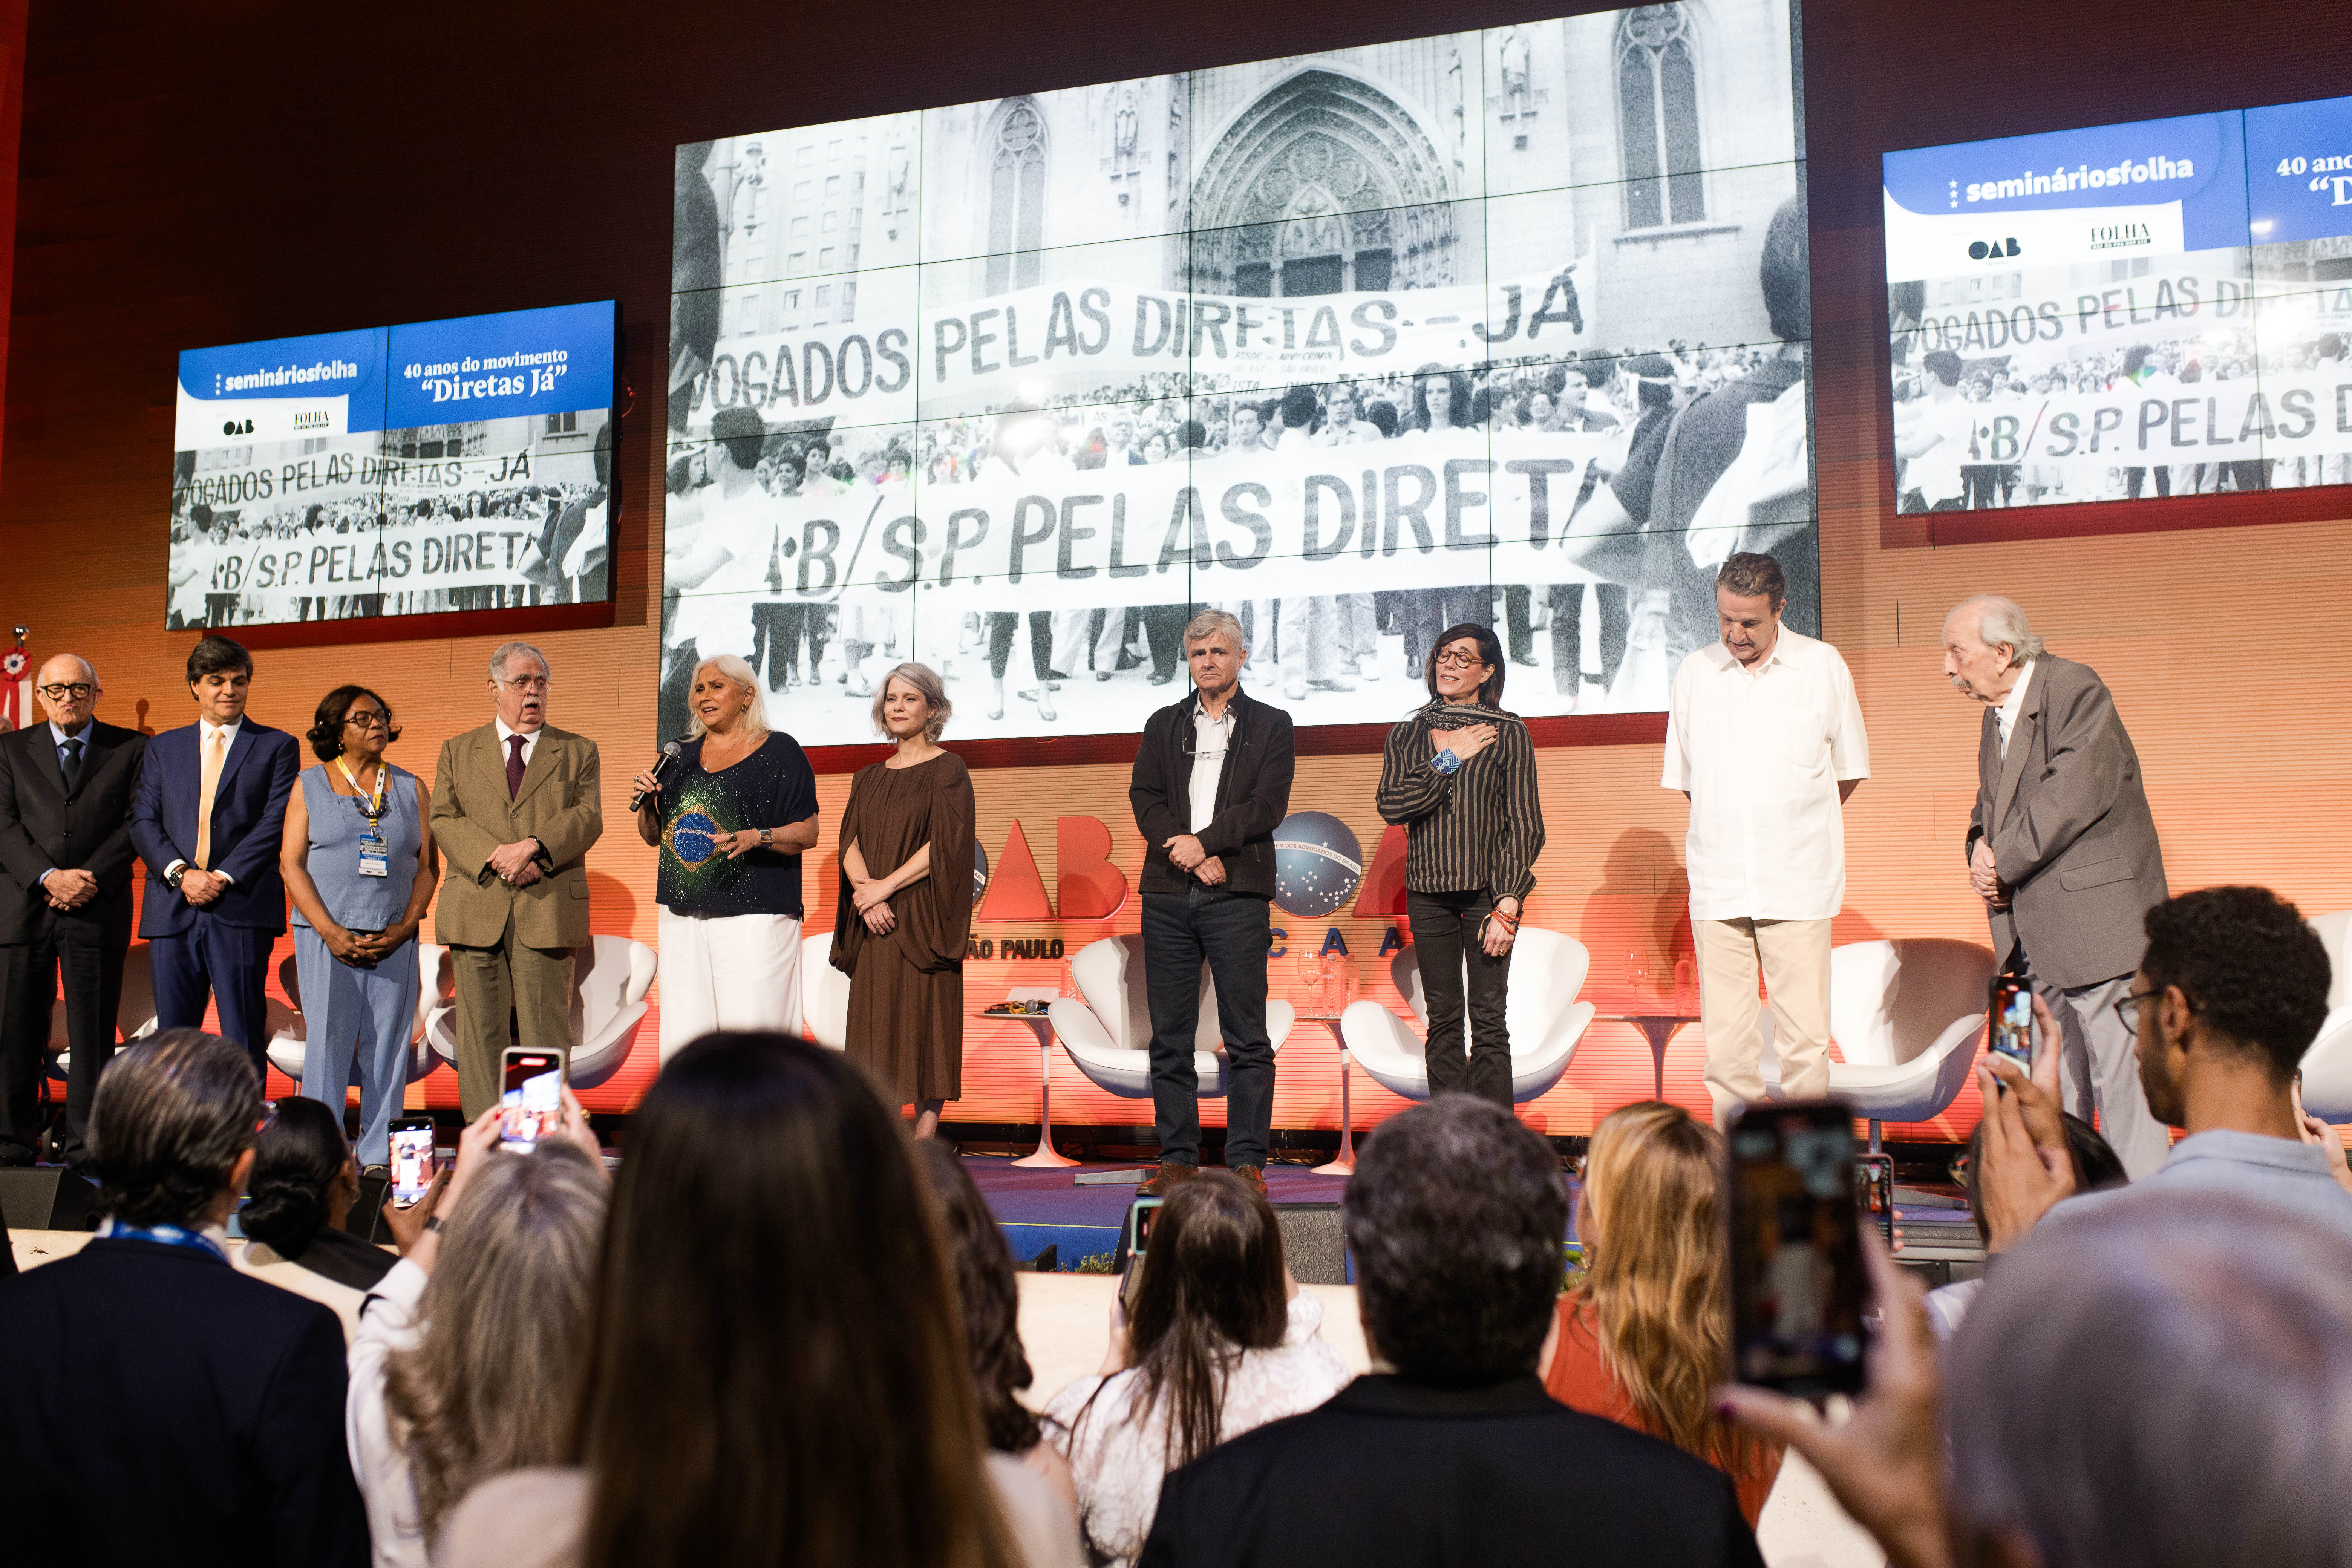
[[376, 855]]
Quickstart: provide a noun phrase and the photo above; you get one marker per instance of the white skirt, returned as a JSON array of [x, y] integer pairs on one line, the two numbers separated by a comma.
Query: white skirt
[[727, 972]]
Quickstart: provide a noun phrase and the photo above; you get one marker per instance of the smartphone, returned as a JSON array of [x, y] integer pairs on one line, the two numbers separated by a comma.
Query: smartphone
[[2012, 1019], [411, 1159], [1798, 1286], [532, 1094], [1873, 1192]]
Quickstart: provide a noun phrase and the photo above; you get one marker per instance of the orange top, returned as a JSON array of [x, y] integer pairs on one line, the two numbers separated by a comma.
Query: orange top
[[1578, 1380]]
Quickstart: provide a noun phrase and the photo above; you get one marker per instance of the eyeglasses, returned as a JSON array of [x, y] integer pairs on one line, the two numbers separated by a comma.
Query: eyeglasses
[[368, 721], [80, 691], [1452, 659], [529, 683], [2127, 1008]]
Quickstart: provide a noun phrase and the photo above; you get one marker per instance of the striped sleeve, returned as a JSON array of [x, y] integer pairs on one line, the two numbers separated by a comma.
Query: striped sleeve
[[1409, 788], [1520, 836]]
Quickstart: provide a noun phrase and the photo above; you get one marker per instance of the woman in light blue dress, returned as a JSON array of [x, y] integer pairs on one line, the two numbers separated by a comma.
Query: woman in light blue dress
[[361, 868]]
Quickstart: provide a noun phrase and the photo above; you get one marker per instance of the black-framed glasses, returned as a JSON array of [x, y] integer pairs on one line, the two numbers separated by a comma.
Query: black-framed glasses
[[2127, 1008], [80, 691], [369, 720]]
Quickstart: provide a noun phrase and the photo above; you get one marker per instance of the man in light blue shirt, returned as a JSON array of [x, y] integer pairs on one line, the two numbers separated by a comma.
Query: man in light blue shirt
[[2231, 992]]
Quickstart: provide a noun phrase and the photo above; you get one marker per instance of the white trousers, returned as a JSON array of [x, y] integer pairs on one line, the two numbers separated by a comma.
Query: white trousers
[[727, 972]]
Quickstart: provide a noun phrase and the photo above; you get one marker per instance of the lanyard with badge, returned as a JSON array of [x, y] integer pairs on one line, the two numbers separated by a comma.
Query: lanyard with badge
[[375, 853]]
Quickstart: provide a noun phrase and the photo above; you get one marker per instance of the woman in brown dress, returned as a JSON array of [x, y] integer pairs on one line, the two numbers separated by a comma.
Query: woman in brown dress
[[905, 906]]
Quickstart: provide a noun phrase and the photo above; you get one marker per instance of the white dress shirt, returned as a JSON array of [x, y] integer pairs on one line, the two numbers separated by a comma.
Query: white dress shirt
[[2012, 705], [530, 742], [1763, 755], [1210, 739], [204, 728]]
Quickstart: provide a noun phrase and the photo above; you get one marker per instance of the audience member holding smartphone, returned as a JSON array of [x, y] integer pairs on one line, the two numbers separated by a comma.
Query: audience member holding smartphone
[[469, 1348], [360, 868], [775, 1354], [1220, 1342], [1644, 1337], [304, 1182], [992, 1318]]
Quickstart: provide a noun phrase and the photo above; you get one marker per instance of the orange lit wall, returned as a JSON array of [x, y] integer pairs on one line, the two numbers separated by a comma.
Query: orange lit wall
[[173, 194]]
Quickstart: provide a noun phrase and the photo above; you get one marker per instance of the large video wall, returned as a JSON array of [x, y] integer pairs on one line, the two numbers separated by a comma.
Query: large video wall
[[1357, 345], [420, 469], [2162, 309]]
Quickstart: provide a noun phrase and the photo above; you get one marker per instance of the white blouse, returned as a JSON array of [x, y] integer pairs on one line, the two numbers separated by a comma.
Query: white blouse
[[1117, 1449], [379, 1458]]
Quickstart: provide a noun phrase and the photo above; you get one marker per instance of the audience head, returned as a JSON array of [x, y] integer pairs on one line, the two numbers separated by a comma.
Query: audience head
[[990, 1297], [1212, 1283], [1456, 1215], [304, 1179], [220, 677], [520, 679], [488, 1387], [1651, 1219], [2233, 981], [336, 728], [2165, 1386], [777, 1354], [171, 1130], [2097, 1164]]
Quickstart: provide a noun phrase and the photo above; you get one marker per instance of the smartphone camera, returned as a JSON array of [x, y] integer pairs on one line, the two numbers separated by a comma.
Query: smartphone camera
[[532, 1096], [1799, 1289], [2012, 1019], [411, 1159]]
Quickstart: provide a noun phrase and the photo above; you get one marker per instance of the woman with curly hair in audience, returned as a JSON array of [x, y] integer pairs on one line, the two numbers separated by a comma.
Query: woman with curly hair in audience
[[1644, 1337]]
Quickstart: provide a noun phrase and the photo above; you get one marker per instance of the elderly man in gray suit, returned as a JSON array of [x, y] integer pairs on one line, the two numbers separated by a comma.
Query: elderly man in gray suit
[[2063, 851]]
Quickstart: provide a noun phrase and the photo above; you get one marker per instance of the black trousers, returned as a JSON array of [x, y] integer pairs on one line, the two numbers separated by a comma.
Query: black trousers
[[1446, 934], [1002, 624], [30, 973], [1164, 633], [1567, 632], [1229, 931], [777, 629]]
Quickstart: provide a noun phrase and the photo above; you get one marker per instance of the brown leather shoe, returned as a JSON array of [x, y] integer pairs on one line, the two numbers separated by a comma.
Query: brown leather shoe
[[1253, 1176], [1164, 1180]]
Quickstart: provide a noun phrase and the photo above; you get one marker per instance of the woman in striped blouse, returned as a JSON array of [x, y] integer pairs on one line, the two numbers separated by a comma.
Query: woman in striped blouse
[[1460, 775]]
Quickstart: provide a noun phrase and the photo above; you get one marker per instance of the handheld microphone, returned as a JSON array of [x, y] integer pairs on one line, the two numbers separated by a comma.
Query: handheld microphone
[[671, 750]]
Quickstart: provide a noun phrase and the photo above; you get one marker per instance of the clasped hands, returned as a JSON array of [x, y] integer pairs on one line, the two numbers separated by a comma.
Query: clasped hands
[[70, 889], [1184, 853], [1984, 878], [202, 887], [872, 897], [361, 952], [516, 864]]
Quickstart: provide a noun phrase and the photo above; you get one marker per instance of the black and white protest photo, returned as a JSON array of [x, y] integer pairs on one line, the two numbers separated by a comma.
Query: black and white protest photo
[[1506, 326]]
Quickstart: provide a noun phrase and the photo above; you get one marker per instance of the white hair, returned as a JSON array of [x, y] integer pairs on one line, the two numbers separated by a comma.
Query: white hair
[[1209, 622], [735, 669], [2000, 621], [2163, 1380], [508, 650]]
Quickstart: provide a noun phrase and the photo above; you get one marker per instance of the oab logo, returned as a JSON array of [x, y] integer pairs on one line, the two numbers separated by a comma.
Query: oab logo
[[1991, 250]]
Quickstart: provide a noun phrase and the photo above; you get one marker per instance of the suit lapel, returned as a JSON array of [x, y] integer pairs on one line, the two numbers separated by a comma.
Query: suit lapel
[[238, 750], [491, 760], [539, 770], [2013, 765], [44, 741]]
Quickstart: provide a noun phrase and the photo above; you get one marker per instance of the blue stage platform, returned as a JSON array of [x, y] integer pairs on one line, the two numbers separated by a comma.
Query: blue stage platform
[[1043, 1208]]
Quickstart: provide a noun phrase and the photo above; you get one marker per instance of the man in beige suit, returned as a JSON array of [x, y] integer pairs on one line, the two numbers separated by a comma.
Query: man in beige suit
[[2064, 852], [515, 807]]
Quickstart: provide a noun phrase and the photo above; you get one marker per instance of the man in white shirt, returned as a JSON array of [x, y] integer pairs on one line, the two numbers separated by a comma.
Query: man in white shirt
[[2064, 852], [1764, 735]]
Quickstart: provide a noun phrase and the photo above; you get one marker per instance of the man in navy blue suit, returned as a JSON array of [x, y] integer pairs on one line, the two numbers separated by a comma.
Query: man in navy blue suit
[[208, 818]]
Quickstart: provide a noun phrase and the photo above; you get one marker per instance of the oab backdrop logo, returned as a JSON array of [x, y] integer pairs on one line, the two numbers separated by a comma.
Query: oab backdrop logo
[[1992, 249], [1317, 863]]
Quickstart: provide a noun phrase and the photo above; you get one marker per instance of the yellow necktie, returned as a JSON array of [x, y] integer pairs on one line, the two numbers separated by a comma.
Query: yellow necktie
[[215, 753]]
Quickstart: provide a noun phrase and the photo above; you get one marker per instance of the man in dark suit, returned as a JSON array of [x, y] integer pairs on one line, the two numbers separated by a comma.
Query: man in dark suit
[[163, 1408], [208, 821], [1455, 1217], [66, 789], [2064, 852], [1210, 784]]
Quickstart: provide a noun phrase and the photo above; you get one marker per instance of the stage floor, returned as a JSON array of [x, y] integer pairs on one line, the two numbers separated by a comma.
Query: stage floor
[[1043, 1208]]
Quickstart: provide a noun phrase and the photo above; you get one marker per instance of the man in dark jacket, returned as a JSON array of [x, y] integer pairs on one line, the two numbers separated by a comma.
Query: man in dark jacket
[[1211, 783], [163, 1408], [1457, 1454], [66, 790]]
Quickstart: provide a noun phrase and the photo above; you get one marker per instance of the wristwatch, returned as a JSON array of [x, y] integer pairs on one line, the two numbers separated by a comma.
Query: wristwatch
[[766, 834], [172, 878], [434, 1223]]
